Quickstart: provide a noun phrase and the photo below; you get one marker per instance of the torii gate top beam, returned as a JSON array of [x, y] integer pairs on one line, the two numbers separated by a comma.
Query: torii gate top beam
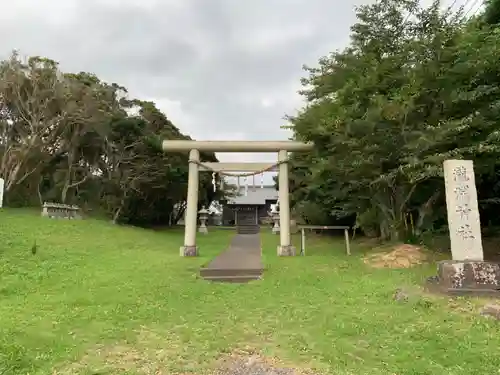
[[236, 146]]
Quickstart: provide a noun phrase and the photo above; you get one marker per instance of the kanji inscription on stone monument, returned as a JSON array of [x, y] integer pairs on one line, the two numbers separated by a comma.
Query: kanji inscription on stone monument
[[464, 211], [460, 174], [465, 232], [463, 214]]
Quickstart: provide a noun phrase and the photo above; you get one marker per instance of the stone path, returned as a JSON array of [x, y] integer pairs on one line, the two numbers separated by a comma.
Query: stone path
[[240, 262]]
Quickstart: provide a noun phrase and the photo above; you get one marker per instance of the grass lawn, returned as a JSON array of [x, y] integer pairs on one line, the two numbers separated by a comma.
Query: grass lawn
[[103, 299]]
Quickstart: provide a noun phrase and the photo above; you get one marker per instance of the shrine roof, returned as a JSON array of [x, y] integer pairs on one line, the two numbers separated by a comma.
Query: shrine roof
[[256, 195]]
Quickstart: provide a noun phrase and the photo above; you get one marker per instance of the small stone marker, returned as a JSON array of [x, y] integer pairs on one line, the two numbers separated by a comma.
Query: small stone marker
[[2, 185], [400, 295], [463, 212]]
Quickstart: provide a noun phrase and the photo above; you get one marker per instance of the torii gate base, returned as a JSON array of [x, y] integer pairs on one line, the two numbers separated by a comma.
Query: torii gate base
[[194, 147]]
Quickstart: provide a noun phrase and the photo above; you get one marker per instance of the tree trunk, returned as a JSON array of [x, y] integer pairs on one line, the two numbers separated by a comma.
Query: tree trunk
[[64, 192], [116, 215], [424, 211], [180, 212], [11, 179], [40, 197], [67, 186], [390, 224], [395, 234]]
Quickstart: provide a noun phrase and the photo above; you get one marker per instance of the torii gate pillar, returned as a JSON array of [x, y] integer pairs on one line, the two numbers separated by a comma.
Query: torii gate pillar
[[194, 147], [285, 247], [190, 248]]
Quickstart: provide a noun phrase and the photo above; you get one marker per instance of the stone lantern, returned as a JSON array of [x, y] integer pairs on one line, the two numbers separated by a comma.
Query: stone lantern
[[275, 216], [203, 214]]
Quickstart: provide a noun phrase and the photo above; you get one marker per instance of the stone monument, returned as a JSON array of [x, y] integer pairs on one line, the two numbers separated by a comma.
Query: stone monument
[[467, 273], [463, 212]]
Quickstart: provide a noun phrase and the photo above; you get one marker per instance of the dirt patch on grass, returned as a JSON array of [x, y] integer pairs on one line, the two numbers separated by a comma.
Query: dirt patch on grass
[[249, 362], [155, 353], [123, 358], [149, 354], [400, 256], [117, 359]]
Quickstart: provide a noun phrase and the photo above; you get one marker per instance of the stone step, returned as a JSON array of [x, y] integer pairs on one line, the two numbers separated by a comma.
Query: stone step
[[233, 279], [247, 229], [209, 272]]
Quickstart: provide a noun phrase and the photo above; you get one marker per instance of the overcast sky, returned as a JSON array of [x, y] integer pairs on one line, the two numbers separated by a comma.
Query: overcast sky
[[219, 69]]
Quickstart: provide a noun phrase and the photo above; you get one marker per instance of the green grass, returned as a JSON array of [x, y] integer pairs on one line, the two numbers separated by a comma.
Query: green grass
[[103, 299]]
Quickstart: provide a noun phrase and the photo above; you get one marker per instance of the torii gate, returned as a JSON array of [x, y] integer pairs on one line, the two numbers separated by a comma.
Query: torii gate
[[195, 165]]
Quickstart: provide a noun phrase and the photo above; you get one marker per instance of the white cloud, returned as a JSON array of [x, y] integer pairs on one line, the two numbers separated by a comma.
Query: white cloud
[[267, 102]]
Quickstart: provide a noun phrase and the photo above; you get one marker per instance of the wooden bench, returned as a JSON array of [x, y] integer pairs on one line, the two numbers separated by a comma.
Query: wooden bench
[[303, 235], [60, 211]]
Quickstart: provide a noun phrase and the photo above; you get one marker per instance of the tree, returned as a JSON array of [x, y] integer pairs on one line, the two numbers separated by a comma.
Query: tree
[[74, 138], [89, 106], [415, 86], [492, 12], [31, 95]]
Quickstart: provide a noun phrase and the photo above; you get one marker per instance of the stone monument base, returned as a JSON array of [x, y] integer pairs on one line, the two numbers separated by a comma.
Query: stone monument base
[[466, 277], [286, 251], [203, 230], [189, 251]]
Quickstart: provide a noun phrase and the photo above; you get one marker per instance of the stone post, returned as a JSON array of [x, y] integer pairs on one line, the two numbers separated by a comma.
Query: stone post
[[2, 187], [203, 220], [463, 211], [285, 248], [45, 210], [190, 248]]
